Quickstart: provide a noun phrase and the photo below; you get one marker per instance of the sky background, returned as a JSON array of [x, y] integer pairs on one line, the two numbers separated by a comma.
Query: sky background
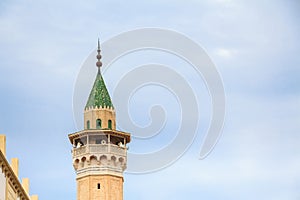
[[254, 44]]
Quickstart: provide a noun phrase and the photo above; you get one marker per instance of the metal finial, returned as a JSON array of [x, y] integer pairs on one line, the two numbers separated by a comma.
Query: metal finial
[[99, 63]]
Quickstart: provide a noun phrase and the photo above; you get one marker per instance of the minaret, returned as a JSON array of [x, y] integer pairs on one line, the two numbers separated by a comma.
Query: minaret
[[99, 151]]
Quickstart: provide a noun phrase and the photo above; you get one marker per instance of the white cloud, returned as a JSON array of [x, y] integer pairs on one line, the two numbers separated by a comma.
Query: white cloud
[[225, 53]]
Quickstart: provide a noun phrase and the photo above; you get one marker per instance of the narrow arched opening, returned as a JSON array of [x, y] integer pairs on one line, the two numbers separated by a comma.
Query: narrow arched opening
[[88, 124], [98, 124], [109, 124]]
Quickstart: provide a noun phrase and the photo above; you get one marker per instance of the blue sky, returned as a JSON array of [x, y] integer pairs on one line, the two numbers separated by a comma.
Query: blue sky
[[254, 44]]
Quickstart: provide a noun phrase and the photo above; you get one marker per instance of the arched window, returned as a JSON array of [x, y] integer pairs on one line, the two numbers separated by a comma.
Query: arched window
[[88, 126], [109, 124], [98, 123]]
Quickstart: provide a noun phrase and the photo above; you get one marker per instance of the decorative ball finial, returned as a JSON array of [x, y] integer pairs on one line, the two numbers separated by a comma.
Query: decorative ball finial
[[99, 63]]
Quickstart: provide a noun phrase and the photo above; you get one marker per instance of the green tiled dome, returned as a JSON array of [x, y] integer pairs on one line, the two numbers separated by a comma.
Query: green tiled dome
[[99, 95]]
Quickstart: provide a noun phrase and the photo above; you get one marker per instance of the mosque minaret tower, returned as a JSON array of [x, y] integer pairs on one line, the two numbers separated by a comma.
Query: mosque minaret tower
[[99, 151]]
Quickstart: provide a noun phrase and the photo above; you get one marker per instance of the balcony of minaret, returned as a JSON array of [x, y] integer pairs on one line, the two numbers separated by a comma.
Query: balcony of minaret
[[99, 148]]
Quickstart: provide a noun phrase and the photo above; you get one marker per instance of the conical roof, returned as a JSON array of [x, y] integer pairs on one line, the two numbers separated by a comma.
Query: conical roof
[[99, 96]]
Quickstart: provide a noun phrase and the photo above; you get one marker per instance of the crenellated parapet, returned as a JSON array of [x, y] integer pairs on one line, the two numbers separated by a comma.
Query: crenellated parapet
[[14, 189], [100, 108]]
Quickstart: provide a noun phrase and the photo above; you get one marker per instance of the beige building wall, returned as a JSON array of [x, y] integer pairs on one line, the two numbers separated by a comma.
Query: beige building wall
[[104, 187], [2, 184], [10, 192]]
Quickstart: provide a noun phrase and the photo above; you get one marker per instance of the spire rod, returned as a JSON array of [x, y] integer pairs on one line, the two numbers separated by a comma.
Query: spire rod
[[98, 44], [99, 63]]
